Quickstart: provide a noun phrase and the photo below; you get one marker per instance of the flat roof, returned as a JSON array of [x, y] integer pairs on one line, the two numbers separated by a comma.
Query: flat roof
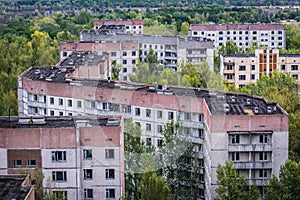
[[12, 188], [236, 27], [235, 103], [84, 59], [93, 35], [57, 121]]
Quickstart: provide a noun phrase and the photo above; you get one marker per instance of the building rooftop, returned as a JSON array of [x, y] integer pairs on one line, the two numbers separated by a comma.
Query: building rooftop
[[235, 27], [84, 59], [119, 22], [239, 55], [57, 121], [13, 187], [89, 35], [219, 102], [253, 55]]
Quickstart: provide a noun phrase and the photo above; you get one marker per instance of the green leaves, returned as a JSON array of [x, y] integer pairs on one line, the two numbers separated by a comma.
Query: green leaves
[[287, 186], [154, 188], [232, 185]]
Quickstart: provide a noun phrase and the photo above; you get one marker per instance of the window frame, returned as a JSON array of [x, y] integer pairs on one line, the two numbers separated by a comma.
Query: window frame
[[55, 157]]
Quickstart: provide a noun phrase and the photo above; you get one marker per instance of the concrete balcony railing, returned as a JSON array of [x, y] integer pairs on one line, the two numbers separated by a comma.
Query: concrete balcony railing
[[174, 50], [171, 57], [196, 55], [36, 104], [249, 147], [259, 182], [197, 140], [253, 165]]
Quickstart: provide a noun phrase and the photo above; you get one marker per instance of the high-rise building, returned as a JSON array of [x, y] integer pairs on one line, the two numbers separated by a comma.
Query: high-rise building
[[80, 157], [271, 36], [248, 130], [119, 26], [243, 69], [170, 50]]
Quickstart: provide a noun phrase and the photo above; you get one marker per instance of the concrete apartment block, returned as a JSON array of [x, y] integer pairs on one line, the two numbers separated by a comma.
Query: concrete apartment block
[[80, 157], [244, 69], [271, 35], [119, 26], [248, 130]]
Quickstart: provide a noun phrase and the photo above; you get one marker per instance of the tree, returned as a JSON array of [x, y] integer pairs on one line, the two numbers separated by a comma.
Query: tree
[[195, 76], [229, 48], [154, 188], [287, 186], [231, 185], [115, 71], [137, 154], [142, 74], [185, 26], [215, 81], [169, 77], [152, 61], [43, 51], [84, 17], [178, 155]]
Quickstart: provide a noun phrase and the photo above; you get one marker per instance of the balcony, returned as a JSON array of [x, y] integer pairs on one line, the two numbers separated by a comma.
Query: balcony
[[174, 50], [197, 140], [36, 104], [259, 182], [196, 55], [249, 147], [171, 58], [253, 165]]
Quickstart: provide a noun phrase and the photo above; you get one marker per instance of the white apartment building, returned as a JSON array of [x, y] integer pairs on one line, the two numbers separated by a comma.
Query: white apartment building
[[248, 130], [271, 36], [243, 69], [126, 26], [80, 158]]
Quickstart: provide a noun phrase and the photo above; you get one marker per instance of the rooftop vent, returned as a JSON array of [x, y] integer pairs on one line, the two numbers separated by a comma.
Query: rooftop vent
[[269, 110], [233, 99], [248, 101], [37, 71], [226, 108], [71, 62], [256, 110]]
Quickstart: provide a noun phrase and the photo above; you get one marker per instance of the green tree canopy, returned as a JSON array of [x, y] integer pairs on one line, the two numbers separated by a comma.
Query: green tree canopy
[[154, 188], [287, 185], [232, 185]]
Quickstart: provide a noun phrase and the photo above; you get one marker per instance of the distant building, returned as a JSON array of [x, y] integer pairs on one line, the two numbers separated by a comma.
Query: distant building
[[248, 130], [242, 69], [82, 157], [16, 187], [271, 36], [126, 49], [125, 53], [88, 64], [119, 26]]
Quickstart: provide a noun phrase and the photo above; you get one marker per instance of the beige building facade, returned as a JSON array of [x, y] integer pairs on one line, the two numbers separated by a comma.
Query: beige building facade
[[245, 69]]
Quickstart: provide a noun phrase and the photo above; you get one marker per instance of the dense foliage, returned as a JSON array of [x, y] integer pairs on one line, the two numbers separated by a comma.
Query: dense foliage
[[232, 185], [287, 185]]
